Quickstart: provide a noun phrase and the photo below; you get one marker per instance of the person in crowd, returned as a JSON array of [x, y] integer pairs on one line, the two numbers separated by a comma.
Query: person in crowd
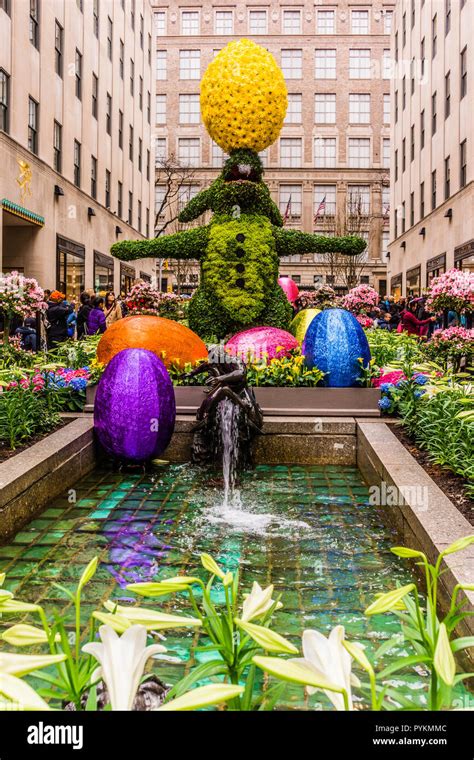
[[113, 310], [82, 315], [410, 323], [56, 317], [47, 294], [27, 333], [384, 321], [96, 319], [72, 321]]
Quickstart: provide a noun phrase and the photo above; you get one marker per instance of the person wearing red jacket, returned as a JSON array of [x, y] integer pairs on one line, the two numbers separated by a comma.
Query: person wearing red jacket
[[410, 323]]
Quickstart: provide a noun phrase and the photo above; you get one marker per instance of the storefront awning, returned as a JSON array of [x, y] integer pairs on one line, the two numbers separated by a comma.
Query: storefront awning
[[29, 217]]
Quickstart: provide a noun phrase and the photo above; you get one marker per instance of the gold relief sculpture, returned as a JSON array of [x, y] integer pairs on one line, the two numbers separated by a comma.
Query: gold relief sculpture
[[24, 179]]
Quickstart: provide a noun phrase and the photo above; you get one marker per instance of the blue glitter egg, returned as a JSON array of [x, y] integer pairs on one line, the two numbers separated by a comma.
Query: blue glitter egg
[[333, 343]]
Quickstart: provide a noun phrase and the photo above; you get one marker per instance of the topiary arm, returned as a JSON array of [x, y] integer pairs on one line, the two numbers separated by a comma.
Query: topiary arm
[[189, 244], [197, 206], [289, 242]]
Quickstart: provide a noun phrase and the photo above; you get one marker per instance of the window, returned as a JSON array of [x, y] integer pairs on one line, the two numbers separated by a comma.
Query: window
[[404, 154], [324, 201], [108, 114], [404, 93], [142, 31], [57, 146], [93, 177], [433, 190], [291, 63], [290, 197], [78, 74], [385, 244], [386, 153], [139, 216], [189, 151], [360, 22], [404, 30], [160, 150], [159, 21], [359, 64], [70, 267], [359, 108], [291, 152], [412, 143], [80, 5], [77, 163], [358, 200], [422, 200], [325, 64], [189, 111], [186, 193], [447, 95], [463, 163], [160, 117], [386, 109], [120, 129], [103, 273], [434, 35], [160, 206], [149, 47], [5, 5], [119, 199], [447, 26], [258, 22], [325, 152], [434, 114], [4, 100], [110, 34], [325, 108], [396, 106], [264, 157], [217, 156], [121, 58], [130, 143], [359, 152], [140, 93], [107, 188], [189, 64], [385, 201], [447, 178], [32, 125], [95, 18], [464, 73], [132, 77], [422, 130], [148, 162], [224, 22], [291, 22], [326, 22], [293, 113], [95, 95], [387, 72], [34, 23], [413, 12], [58, 48], [132, 14], [130, 208], [396, 165], [148, 107], [387, 21]]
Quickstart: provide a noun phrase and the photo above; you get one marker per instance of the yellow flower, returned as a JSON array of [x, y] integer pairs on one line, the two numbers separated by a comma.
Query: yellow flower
[[244, 82]]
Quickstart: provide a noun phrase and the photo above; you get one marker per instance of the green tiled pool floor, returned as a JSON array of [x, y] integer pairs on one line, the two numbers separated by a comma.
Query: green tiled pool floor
[[309, 530]]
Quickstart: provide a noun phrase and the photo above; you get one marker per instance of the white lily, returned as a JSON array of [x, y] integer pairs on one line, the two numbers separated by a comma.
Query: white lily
[[258, 602], [16, 691], [328, 658], [122, 660]]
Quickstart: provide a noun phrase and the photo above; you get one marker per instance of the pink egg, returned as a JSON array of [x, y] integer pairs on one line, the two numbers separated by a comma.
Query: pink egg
[[289, 287], [261, 344]]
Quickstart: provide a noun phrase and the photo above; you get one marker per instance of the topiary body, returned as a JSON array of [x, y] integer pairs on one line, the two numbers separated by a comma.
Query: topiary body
[[239, 249]]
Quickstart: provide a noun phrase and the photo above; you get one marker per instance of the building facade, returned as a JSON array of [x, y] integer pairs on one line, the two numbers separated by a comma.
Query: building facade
[[76, 119], [432, 219], [329, 170]]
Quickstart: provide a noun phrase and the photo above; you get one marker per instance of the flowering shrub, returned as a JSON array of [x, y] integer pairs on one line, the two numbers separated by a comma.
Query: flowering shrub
[[322, 298], [360, 299], [452, 290], [20, 295], [451, 345], [143, 299], [365, 321]]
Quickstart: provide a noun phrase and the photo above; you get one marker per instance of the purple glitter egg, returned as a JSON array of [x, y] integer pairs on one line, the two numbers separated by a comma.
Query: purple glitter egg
[[135, 409], [261, 343]]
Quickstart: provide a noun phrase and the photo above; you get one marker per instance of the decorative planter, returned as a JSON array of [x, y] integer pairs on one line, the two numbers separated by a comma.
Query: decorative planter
[[285, 402]]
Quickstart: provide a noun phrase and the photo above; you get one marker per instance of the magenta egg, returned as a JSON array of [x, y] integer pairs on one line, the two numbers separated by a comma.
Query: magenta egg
[[289, 287], [134, 409], [261, 344]]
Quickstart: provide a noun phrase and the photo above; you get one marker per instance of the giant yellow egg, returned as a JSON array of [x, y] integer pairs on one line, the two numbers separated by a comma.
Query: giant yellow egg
[[243, 97]]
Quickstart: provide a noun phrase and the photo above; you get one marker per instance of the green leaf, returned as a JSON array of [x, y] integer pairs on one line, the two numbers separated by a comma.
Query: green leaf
[[205, 670], [403, 662], [462, 643], [204, 696], [387, 601]]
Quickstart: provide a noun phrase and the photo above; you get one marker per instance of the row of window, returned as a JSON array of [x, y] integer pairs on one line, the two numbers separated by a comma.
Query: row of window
[[324, 109], [291, 22], [290, 199], [463, 89], [359, 152], [361, 64], [401, 217], [447, 10]]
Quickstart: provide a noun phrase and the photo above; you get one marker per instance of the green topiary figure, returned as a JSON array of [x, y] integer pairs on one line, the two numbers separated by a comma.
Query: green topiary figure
[[239, 249]]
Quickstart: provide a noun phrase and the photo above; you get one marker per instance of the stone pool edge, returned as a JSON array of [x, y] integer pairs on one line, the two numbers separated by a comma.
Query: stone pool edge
[[430, 523], [31, 478]]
